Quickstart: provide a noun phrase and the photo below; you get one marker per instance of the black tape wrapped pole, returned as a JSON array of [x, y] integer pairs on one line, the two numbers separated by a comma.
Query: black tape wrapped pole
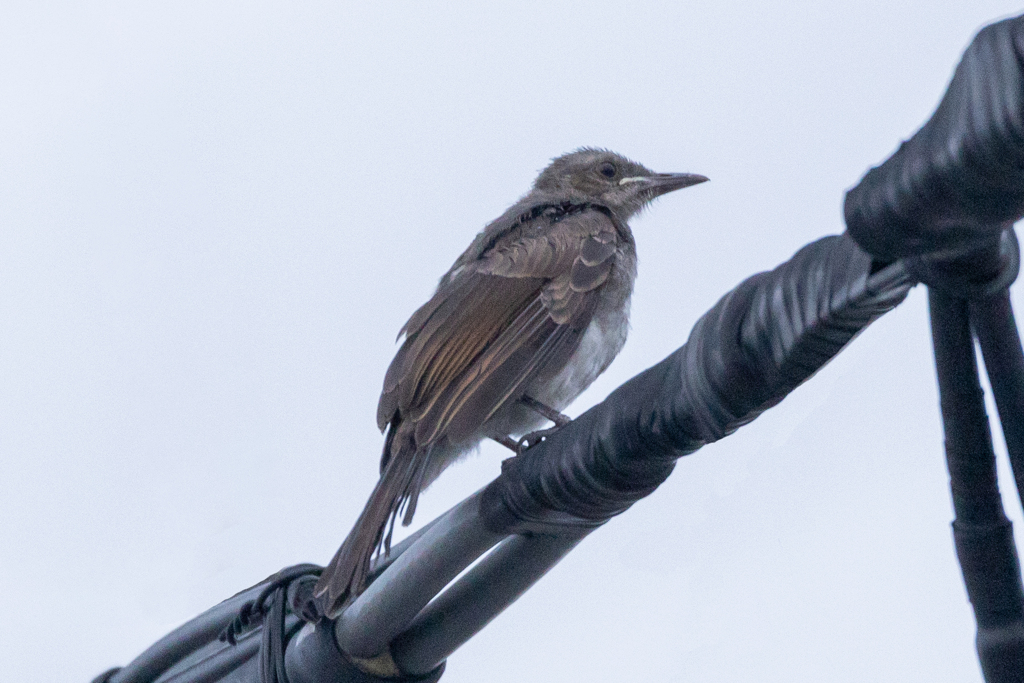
[[945, 201], [959, 181], [759, 342]]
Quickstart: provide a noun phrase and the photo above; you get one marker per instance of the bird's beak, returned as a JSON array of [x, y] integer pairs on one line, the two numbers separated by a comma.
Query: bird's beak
[[663, 183]]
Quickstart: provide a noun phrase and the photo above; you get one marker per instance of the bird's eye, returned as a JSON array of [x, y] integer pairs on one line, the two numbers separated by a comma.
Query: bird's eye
[[608, 170]]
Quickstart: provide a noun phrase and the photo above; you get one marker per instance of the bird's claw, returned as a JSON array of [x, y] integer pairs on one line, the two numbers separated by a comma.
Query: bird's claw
[[530, 440]]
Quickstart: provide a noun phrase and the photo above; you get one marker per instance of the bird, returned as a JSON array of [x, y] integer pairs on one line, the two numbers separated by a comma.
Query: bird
[[522, 323]]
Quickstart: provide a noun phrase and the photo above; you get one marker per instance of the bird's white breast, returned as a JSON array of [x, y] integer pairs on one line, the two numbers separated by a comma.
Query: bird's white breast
[[602, 341]]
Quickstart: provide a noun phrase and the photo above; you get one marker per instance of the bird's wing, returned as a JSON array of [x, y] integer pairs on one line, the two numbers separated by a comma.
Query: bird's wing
[[485, 333]]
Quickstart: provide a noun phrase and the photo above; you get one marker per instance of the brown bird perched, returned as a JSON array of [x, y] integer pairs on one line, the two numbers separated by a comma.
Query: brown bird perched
[[530, 314]]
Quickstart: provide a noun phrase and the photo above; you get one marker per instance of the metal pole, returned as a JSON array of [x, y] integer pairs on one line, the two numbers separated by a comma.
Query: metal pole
[[993, 321], [389, 604], [982, 534], [476, 598], [185, 639]]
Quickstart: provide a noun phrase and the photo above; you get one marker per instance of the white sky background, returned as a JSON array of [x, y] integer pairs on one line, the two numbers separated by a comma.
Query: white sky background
[[214, 218]]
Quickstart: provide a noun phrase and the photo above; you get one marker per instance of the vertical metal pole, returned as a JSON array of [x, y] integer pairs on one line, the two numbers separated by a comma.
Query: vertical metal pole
[[993, 321], [981, 532]]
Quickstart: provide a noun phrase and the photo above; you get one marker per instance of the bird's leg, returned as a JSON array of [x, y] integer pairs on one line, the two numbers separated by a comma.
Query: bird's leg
[[509, 443], [533, 438], [547, 413]]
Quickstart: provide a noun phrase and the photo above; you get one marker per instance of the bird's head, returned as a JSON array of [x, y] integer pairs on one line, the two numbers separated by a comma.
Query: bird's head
[[610, 179]]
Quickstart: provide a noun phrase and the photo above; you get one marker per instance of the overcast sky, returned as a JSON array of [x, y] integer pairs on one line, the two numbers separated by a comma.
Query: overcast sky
[[214, 218]]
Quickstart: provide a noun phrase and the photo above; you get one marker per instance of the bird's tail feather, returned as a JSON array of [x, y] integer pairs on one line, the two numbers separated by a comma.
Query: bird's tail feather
[[396, 492]]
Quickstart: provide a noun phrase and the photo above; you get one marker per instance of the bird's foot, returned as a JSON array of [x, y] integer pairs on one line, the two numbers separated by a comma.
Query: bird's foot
[[533, 438], [546, 412]]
